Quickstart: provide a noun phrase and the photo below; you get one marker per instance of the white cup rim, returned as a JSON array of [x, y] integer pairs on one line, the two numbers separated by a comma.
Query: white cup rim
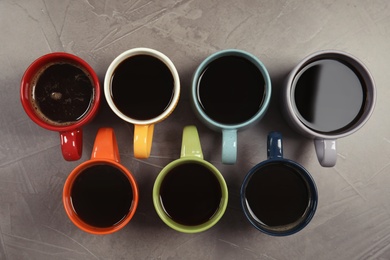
[[142, 51]]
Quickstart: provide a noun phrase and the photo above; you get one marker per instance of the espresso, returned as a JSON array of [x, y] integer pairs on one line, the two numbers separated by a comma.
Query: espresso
[[190, 194], [142, 87], [102, 195], [231, 90], [277, 195], [329, 96], [62, 93]]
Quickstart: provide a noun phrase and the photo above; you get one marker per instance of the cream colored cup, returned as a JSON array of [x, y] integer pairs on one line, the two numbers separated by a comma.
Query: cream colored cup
[[143, 129]]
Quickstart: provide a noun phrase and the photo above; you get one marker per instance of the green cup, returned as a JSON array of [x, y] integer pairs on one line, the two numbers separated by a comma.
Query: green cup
[[190, 195]]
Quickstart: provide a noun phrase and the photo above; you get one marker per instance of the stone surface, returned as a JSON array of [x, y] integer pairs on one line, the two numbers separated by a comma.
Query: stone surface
[[353, 215]]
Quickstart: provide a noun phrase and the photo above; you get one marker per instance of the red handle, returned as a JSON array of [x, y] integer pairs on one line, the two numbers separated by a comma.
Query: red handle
[[72, 144]]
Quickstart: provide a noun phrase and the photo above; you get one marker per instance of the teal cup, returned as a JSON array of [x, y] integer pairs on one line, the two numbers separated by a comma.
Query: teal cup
[[230, 91]]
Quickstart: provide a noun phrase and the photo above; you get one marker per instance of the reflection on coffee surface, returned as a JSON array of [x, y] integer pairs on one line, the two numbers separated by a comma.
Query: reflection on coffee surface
[[142, 87], [231, 90], [329, 95], [276, 195], [102, 195], [190, 194], [62, 93]]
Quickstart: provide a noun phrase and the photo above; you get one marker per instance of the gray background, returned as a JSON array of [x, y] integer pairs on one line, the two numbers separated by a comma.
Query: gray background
[[353, 216]]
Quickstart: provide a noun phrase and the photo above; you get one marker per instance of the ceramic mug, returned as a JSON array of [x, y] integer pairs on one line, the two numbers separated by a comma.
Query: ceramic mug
[[61, 92], [231, 90], [278, 196], [190, 195], [142, 87], [328, 95], [100, 195]]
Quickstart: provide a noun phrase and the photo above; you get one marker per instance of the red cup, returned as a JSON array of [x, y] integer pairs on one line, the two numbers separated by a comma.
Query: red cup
[[70, 132]]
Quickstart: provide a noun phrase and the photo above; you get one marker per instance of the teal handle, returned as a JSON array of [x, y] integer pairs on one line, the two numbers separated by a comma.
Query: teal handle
[[190, 145], [229, 146]]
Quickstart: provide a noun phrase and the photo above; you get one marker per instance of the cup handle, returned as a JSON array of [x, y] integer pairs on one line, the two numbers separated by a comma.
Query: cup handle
[[190, 145], [143, 137], [229, 146], [274, 145], [105, 146], [326, 152], [72, 144]]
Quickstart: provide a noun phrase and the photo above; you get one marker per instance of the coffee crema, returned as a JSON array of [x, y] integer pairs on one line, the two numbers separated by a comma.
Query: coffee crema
[[62, 93], [277, 195], [231, 90], [102, 195], [190, 194], [142, 87], [329, 95]]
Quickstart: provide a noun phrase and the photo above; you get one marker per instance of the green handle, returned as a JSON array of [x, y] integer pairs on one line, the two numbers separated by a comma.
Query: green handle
[[190, 145]]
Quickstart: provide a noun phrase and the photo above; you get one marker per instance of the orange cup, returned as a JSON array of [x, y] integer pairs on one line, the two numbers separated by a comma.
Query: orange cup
[[100, 196]]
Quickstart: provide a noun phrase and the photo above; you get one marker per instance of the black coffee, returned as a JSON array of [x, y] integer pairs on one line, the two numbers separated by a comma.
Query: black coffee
[[102, 195], [63, 93], [277, 195], [142, 87], [190, 194], [329, 96], [231, 90]]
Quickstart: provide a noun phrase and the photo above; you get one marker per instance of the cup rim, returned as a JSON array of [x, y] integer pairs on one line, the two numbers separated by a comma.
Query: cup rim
[[233, 52], [313, 201], [362, 70], [142, 51], [67, 202], [25, 90], [186, 228]]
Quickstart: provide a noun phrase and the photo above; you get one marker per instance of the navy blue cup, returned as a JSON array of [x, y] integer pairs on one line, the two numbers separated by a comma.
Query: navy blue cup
[[278, 196]]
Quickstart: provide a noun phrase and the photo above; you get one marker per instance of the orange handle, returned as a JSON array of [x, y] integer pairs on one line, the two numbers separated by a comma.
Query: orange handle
[[105, 146], [143, 136]]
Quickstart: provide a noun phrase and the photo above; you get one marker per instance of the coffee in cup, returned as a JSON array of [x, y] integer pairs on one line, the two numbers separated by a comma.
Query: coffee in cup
[[328, 95], [100, 195], [190, 195], [231, 90], [278, 196], [61, 92], [142, 87]]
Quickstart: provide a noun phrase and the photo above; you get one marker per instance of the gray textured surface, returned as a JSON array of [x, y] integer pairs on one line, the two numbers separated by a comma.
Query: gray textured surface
[[353, 216]]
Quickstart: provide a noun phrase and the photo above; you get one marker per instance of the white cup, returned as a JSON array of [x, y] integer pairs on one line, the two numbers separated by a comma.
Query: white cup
[[143, 127]]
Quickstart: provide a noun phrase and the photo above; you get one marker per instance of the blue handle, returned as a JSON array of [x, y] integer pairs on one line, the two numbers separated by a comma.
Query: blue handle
[[274, 145]]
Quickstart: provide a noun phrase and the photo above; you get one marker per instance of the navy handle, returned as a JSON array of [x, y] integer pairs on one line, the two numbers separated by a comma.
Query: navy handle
[[274, 145]]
